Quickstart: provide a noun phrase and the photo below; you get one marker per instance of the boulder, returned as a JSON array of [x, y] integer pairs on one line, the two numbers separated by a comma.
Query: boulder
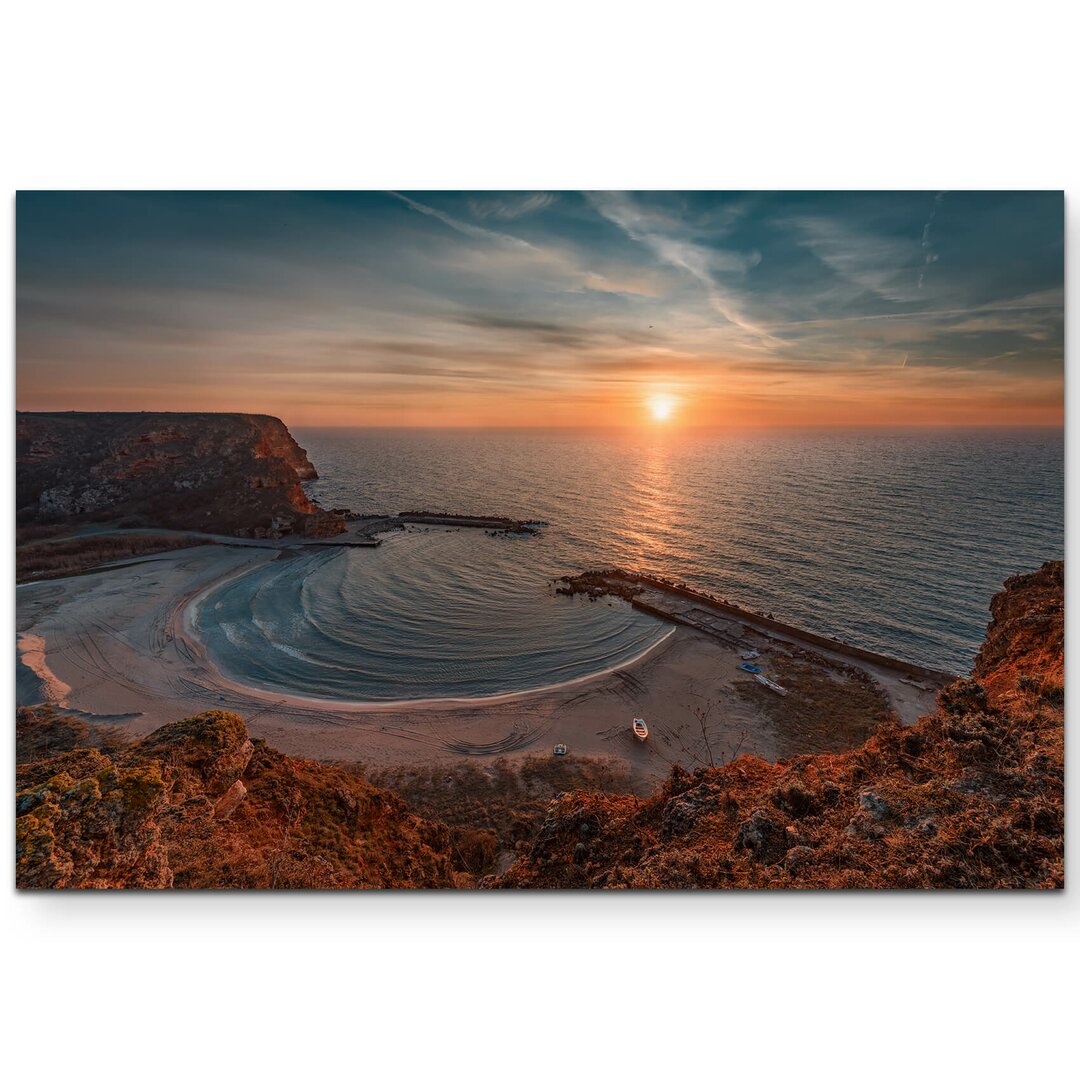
[[227, 804]]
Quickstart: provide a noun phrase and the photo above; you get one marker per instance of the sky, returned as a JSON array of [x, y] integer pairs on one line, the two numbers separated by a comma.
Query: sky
[[551, 309]]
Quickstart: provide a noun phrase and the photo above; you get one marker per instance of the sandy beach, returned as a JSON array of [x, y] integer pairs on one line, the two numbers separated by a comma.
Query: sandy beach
[[118, 646]]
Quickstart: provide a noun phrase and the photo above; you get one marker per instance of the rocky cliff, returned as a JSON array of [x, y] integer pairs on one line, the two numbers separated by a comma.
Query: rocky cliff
[[197, 804], [228, 473], [970, 797]]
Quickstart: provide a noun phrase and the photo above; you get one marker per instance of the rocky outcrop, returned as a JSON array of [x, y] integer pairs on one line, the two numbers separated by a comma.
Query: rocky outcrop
[[972, 796], [1025, 641], [197, 804], [230, 473]]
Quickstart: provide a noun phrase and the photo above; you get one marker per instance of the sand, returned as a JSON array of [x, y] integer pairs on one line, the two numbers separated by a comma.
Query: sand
[[118, 646]]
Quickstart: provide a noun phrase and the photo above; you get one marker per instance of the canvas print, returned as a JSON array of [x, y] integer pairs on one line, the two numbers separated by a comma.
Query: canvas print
[[539, 540]]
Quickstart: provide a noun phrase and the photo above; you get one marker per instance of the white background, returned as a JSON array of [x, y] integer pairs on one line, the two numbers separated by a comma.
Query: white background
[[554, 94]]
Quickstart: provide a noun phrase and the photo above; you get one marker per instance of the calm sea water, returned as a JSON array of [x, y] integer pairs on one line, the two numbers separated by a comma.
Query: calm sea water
[[895, 541]]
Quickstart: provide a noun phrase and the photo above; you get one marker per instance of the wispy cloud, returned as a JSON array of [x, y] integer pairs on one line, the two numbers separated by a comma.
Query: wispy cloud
[[873, 263], [926, 313], [702, 263], [507, 208], [555, 261], [930, 256], [467, 228]]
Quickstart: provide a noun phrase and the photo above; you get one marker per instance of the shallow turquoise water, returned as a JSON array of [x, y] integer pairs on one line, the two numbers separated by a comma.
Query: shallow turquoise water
[[429, 614]]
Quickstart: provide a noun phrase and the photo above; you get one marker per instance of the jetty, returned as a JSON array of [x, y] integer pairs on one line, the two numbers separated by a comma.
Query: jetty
[[733, 625], [468, 521]]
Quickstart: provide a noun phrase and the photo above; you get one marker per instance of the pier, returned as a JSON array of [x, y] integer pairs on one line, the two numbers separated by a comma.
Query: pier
[[740, 629]]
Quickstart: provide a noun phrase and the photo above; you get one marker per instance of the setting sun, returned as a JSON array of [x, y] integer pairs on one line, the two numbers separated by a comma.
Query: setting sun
[[661, 406]]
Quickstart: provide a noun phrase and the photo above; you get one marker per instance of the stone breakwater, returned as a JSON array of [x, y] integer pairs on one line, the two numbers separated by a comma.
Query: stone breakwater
[[633, 587], [469, 521]]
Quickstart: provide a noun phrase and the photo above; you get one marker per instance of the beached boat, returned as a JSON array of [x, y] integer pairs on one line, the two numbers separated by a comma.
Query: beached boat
[[776, 687], [752, 668], [641, 732], [560, 750], [751, 654]]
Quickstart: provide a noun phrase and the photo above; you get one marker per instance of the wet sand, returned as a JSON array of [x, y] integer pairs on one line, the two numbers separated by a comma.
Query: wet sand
[[118, 646]]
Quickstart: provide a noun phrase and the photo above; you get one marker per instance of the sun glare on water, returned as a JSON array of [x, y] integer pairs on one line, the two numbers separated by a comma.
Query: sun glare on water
[[661, 406]]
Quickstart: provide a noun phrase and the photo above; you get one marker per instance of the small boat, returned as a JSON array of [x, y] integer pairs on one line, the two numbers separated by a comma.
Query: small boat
[[641, 732], [775, 687], [751, 668], [561, 749], [751, 654]]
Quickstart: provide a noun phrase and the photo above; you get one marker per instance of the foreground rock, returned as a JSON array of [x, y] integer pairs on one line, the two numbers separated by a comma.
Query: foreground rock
[[229, 473], [971, 797], [197, 804]]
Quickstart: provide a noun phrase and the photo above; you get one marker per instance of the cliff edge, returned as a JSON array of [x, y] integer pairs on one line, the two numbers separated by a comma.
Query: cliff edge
[[197, 804], [972, 796], [231, 473]]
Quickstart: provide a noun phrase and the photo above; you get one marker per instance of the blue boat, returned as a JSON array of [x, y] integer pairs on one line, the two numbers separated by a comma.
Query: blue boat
[[751, 667]]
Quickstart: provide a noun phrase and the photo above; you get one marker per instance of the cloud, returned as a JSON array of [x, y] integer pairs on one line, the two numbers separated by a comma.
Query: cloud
[[873, 263], [655, 232], [509, 208], [550, 333], [464, 227], [927, 244]]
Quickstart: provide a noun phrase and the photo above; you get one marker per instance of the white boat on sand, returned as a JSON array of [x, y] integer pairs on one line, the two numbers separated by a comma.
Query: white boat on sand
[[771, 685], [641, 731]]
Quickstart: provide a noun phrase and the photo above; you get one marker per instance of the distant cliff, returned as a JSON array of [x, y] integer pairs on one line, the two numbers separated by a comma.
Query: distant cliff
[[972, 796], [231, 473]]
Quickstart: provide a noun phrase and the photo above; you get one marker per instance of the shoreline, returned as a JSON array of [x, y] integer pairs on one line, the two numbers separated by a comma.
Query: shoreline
[[184, 624], [124, 643]]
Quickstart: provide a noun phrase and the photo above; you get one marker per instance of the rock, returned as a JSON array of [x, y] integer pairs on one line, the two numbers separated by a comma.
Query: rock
[[227, 804], [795, 799], [762, 837], [874, 805], [797, 855], [683, 812], [214, 745]]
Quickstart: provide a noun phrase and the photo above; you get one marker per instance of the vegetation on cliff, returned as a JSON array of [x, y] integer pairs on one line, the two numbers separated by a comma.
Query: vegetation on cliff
[[970, 797], [197, 804]]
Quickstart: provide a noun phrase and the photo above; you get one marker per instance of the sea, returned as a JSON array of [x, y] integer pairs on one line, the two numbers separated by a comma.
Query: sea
[[894, 540]]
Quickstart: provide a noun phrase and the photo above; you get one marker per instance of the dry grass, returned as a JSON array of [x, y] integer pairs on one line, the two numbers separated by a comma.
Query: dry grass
[[830, 706], [496, 810], [62, 558], [42, 733]]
